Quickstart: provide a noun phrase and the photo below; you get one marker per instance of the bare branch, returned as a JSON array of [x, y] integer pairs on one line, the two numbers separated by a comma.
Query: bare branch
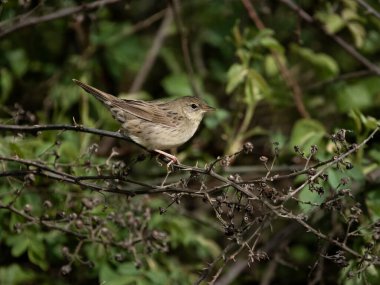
[[152, 53], [346, 46], [175, 5], [77, 128], [370, 10], [232, 195], [285, 73], [28, 20]]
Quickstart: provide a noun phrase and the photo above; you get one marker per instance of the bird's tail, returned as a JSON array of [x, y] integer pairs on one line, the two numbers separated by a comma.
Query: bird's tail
[[103, 97]]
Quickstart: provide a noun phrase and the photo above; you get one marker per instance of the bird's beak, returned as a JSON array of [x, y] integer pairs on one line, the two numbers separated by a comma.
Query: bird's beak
[[208, 108]]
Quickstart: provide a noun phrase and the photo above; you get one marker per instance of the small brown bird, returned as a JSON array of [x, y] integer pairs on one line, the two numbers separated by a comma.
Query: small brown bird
[[157, 125]]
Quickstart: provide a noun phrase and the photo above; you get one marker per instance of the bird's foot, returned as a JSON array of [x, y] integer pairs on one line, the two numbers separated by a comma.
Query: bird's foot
[[172, 158]]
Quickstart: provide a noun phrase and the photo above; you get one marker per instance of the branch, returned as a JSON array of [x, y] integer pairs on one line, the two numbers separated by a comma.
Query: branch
[[175, 4], [239, 189], [23, 22], [51, 173], [346, 46], [285, 73], [369, 8], [153, 52], [332, 162], [346, 76], [53, 225], [61, 127]]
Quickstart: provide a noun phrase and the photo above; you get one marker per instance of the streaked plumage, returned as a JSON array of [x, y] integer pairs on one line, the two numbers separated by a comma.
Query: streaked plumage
[[156, 125]]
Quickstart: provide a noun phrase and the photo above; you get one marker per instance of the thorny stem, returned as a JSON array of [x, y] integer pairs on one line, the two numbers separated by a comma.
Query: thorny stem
[[41, 169], [329, 164]]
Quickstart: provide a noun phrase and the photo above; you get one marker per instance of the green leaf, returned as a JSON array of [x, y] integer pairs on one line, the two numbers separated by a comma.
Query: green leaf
[[360, 121], [127, 274], [19, 245], [272, 44], [68, 151], [375, 155], [37, 254], [350, 14], [354, 96], [324, 64], [177, 85], [334, 177], [360, 95], [157, 277], [218, 116], [271, 68], [171, 60], [259, 81], [371, 43], [333, 22], [18, 61], [300, 253], [358, 33], [122, 51], [236, 75], [6, 84], [252, 93], [33, 245], [308, 196], [355, 116], [15, 274], [16, 150], [371, 123], [209, 246], [307, 132], [373, 204]]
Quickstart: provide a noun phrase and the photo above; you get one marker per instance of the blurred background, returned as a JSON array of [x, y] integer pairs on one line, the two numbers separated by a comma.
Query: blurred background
[[280, 73]]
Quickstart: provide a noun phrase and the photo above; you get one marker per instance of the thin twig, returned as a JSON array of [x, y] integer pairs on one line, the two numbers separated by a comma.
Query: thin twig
[[152, 53], [285, 73], [127, 31], [41, 169], [175, 4], [79, 128], [346, 46], [370, 10], [31, 21], [329, 164], [53, 225], [343, 77]]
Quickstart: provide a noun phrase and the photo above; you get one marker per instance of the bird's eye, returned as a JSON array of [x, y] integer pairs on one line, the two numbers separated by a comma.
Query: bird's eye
[[194, 106]]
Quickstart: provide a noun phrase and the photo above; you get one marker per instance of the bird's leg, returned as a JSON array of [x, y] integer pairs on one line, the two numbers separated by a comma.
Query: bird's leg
[[168, 155]]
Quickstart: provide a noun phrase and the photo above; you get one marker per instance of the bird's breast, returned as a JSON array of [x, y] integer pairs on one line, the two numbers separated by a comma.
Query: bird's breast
[[158, 136]]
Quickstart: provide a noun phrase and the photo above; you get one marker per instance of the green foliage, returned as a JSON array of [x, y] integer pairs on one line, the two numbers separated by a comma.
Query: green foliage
[[6, 84], [243, 71], [348, 17], [307, 132], [15, 274], [373, 204], [177, 85], [324, 65], [361, 95]]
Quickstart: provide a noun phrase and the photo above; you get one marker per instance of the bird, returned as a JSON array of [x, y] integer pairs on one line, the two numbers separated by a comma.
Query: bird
[[156, 125]]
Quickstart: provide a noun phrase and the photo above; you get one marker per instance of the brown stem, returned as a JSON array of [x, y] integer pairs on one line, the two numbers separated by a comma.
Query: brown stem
[[31, 21], [284, 71], [152, 53], [370, 10], [346, 46], [175, 4]]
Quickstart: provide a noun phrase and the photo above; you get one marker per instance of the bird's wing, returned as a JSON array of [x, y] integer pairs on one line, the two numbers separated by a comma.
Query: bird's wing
[[148, 111], [155, 112]]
